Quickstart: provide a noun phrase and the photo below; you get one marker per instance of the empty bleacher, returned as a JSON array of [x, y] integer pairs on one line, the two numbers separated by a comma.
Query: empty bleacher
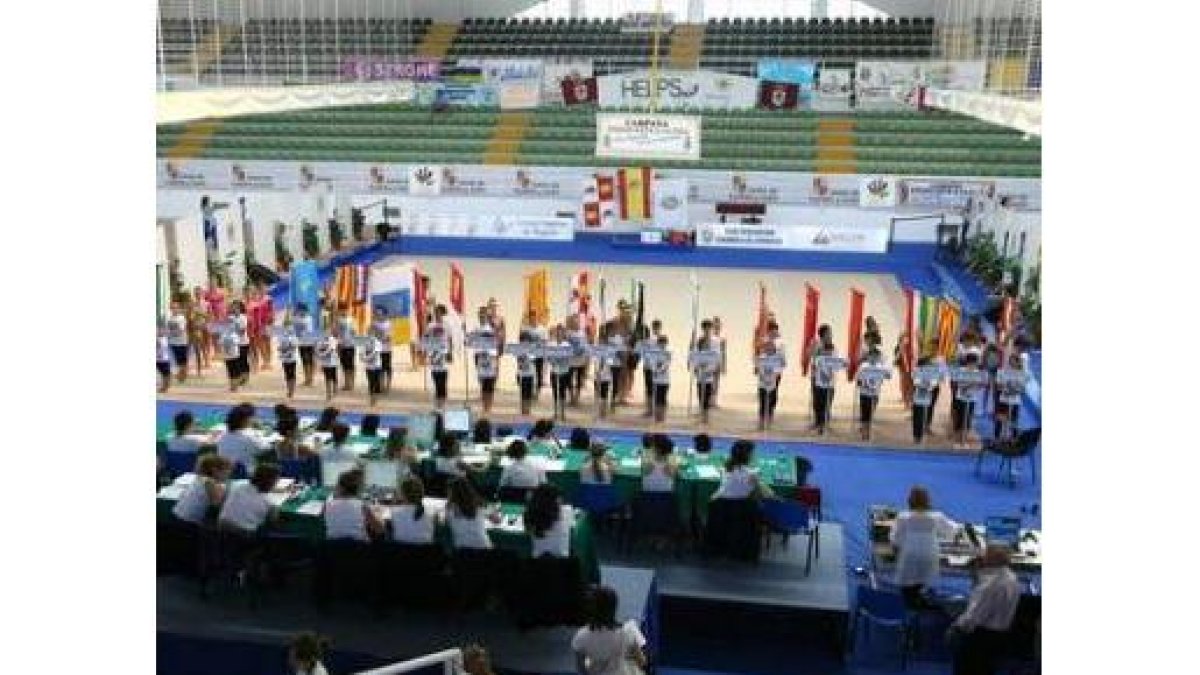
[[904, 143]]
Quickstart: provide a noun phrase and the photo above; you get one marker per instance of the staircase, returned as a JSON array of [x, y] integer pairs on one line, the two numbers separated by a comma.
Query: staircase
[[438, 40], [687, 42], [835, 146], [511, 128], [194, 139]]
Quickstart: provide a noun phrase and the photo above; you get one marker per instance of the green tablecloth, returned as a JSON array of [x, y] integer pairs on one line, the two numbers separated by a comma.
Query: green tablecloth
[[312, 527]]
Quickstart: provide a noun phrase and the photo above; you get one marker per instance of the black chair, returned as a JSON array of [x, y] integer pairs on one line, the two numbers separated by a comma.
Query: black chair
[[549, 591], [413, 575], [343, 571], [508, 494], [178, 546], [479, 575], [435, 484], [655, 514], [732, 529], [1023, 445]]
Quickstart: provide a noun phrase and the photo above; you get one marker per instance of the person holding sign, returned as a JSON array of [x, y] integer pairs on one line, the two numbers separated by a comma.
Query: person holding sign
[[719, 345], [163, 359], [826, 362], [661, 376], [558, 354], [177, 338], [381, 329], [526, 373], [539, 335], [327, 356], [869, 380], [344, 328], [240, 326], [578, 340], [705, 363], [814, 349], [649, 343], [1010, 385], [289, 346], [436, 346], [302, 327], [231, 352], [968, 380], [487, 367], [925, 386], [605, 356], [768, 368], [372, 358]]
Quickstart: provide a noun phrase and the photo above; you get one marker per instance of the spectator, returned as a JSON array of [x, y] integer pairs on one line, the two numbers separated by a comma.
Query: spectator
[[980, 632], [305, 654], [604, 647], [915, 536]]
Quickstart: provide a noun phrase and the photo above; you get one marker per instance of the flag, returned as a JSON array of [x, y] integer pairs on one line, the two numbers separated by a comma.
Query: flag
[[760, 324], [812, 304], [910, 346], [603, 285], [306, 288], [420, 294], [1006, 325], [537, 296], [579, 303], [634, 186], [639, 322], [695, 284], [598, 201], [854, 334], [947, 335], [778, 95], [393, 288], [350, 288], [929, 325], [579, 90], [458, 300]]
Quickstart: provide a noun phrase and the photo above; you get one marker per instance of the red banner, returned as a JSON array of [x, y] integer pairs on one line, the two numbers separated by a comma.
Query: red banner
[[1006, 325], [854, 337], [458, 299], [812, 305], [778, 95], [760, 324], [578, 90], [420, 293]]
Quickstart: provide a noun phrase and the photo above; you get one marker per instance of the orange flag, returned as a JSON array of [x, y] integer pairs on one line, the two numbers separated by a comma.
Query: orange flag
[[854, 338]]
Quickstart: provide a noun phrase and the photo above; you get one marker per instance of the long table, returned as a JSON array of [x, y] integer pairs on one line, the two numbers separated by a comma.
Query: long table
[[956, 557], [301, 515]]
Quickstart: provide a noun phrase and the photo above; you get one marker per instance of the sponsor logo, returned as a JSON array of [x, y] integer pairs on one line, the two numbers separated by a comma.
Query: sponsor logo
[[424, 176], [879, 188], [822, 238], [670, 203], [178, 176]]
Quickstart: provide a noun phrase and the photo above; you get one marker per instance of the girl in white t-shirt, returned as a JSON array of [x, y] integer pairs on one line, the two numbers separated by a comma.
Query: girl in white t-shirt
[[823, 384], [289, 348], [231, 352], [177, 338], [869, 382], [703, 370], [599, 468], [738, 480], [661, 467], [549, 522], [347, 516], [372, 358], [465, 517], [437, 355], [327, 357], [206, 491], [526, 374], [381, 328], [246, 508], [302, 326], [661, 379], [487, 368], [604, 647], [768, 369], [578, 339], [925, 385], [1011, 382], [560, 372], [412, 523], [521, 472], [604, 376], [162, 360], [239, 324], [344, 327]]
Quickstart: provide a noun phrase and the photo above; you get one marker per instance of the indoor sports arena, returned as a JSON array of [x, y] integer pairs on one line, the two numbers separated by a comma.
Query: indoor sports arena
[[688, 337]]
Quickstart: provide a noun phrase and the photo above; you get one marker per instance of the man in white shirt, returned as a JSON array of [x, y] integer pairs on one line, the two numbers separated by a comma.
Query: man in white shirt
[[980, 631]]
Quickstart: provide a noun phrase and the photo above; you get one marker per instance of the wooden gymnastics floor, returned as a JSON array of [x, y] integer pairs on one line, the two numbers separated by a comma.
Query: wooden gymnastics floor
[[730, 294]]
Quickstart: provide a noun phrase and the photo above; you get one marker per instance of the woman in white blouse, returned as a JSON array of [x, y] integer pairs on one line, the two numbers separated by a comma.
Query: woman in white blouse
[[915, 536], [521, 472], [600, 466], [346, 515], [739, 481], [604, 647], [206, 491], [661, 467], [549, 522], [240, 443], [246, 508], [465, 517], [412, 523], [187, 438]]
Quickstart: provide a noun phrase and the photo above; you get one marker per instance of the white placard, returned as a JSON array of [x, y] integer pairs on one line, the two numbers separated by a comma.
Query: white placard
[[678, 89], [648, 136], [856, 239]]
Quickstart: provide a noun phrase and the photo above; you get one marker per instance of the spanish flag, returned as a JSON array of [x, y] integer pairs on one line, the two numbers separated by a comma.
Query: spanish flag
[[948, 320], [634, 184], [537, 296], [350, 288]]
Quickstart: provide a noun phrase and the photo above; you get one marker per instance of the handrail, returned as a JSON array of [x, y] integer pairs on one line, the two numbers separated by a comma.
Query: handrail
[[452, 658]]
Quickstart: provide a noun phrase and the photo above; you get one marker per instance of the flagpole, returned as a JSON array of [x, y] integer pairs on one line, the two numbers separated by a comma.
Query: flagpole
[[692, 342]]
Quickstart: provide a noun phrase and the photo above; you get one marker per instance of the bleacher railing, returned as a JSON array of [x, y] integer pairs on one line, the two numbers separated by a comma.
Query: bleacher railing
[[451, 660]]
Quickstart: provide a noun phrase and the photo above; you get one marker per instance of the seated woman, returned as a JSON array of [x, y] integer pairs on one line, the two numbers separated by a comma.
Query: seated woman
[[246, 508], [660, 468], [549, 522], [605, 646], [600, 466], [346, 515], [337, 451], [412, 523], [397, 449], [482, 432], [369, 426], [207, 491], [739, 481], [187, 438], [289, 447], [542, 432], [448, 460], [241, 443], [327, 419], [580, 439], [521, 472], [464, 516], [702, 444]]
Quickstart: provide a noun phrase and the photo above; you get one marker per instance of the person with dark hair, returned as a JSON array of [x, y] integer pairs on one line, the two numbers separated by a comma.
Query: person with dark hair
[[580, 439], [239, 325], [813, 350], [487, 370], [412, 523], [347, 516], [327, 356], [369, 426], [240, 443], [289, 345], [186, 437], [526, 373], [372, 358], [289, 446], [924, 387], [538, 335], [738, 480], [600, 467], [302, 325], [549, 522], [603, 378], [869, 382], [720, 344], [381, 329], [702, 444], [397, 448], [465, 517], [916, 536], [578, 339], [704, 370], [962, 410], [305, 654], [542, 431], [448, 457], [437, 355], [1011, 382], [337, 450], [649, 342], [647, 446], [482, 432], [227, 345], [661, 379], [823, 380], [329, 417], [177, 340], [604, 647], [206, 491], [521, 472], [344, 328], [560, 372], [246, 508], [768, 368], [661, 467]]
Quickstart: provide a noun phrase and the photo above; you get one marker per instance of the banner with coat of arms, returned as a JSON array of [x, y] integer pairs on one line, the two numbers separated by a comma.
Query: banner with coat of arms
[[877, 191], [671, 204], [424, 180]]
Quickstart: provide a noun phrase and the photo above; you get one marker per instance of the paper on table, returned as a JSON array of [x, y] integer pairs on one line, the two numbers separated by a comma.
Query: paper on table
[[631, 463], [277, 499], [708, 472], [186, 479], [958, 560], [553, 465], [360, 448], [283, 484], [313, 508], [172, 492]]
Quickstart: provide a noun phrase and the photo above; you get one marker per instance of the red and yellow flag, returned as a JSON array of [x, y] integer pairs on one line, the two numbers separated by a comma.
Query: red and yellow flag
[[854, 332], [350, 288], [537, 296], [760, 323], [949, 316], [634, 186]]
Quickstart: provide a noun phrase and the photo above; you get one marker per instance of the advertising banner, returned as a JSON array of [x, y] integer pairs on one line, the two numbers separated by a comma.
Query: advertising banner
[[554, 72], [424, 180], [647, 22], [831, 238], [466, 95], [648, 136], [520, 94], [791, 71], [186, 174], [960, 75], [942, 193], [488, 226], [834, 190], [877, 191], [260, 176], [671, 204], [887, 85], [679, 89], [374, 68], [834, 86]]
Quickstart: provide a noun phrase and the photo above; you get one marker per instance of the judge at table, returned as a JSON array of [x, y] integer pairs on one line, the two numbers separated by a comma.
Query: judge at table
[[915, 536]]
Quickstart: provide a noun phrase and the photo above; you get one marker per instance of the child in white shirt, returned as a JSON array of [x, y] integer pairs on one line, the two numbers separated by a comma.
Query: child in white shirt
[[327, 357], [289, 347]]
